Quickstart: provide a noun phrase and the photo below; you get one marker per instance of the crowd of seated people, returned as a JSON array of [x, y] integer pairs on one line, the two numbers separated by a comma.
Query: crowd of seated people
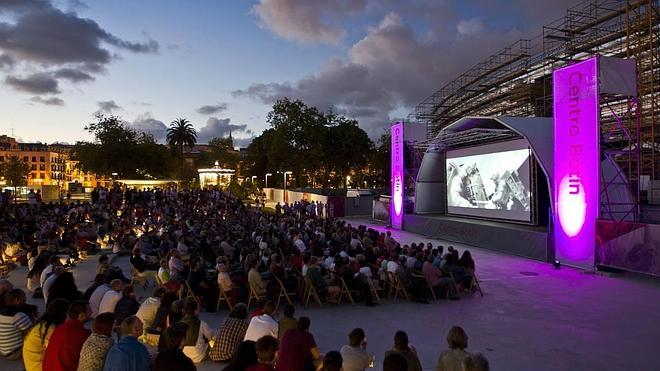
[[197, 244]]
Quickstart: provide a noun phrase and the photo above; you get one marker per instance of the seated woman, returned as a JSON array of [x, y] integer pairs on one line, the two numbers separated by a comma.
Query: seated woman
[[202, 286], [226, 284], [316, 279]]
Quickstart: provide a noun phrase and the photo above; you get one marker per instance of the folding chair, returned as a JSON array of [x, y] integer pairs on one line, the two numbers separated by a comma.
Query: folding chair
[[345, 291], [428, 284], [474, 286], [397, 286], [309, 292], [453, 284], [222, 296], [190, 294], [374, 290], [283, 292], [254, 294]]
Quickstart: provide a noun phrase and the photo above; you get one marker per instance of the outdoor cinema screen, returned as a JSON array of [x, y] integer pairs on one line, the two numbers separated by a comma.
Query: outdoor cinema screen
[[490, 181]]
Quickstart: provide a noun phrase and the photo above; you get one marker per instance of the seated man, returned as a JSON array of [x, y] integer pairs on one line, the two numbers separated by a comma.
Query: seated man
[[263, 324], [128, 354], [198, 333]]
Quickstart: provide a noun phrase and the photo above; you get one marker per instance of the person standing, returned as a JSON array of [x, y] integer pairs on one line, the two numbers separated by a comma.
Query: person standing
[[97, 345], [128, 354], [63, 351]]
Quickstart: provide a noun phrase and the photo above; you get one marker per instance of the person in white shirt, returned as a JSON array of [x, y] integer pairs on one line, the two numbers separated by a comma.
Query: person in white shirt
[[263, 325], [148, 309], [54, 261], [224, 280], [97, 296], [392, 265], [50, 280], [198, 334], [111, 297], [354, 355], [299, 243]]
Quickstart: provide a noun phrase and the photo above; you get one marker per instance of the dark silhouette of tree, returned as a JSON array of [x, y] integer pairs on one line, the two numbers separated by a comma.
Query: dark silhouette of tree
[[181, 134]]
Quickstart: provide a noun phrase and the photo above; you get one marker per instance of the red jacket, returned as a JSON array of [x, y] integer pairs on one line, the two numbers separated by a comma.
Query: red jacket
[[63, 352]]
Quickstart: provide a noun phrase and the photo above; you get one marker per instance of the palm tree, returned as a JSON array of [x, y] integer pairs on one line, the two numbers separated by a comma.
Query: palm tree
[[181, 133]]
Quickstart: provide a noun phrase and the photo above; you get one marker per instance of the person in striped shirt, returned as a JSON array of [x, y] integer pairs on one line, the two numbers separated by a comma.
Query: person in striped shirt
[[14, 325]]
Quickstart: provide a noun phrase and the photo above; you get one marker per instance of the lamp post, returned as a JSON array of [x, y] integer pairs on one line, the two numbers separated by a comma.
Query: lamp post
[[253, 177], [285, 173], [267, 175]]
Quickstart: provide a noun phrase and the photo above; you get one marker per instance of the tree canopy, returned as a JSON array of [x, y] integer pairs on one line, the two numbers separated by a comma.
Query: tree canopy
[[15, 171], [320, 149], [120, 149]]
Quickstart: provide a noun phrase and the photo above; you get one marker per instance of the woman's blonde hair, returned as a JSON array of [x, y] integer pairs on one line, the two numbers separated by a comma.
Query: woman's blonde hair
[[457, 338]]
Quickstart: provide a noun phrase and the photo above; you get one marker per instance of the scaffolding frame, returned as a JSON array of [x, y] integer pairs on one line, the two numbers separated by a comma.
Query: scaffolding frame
[[517, 81]]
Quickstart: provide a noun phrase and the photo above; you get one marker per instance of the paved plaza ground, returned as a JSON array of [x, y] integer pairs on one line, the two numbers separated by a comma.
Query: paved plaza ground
[[531, 317]]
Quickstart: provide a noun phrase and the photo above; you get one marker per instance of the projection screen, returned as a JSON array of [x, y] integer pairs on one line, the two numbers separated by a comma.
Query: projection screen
[[490, 181]]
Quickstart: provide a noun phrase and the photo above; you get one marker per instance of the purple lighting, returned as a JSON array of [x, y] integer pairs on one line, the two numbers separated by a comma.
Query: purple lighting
[[396, 206], [576, 162]]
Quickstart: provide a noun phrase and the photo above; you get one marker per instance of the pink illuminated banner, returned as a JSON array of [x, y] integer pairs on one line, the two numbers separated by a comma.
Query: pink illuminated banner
[[396, 157], [576, 162]]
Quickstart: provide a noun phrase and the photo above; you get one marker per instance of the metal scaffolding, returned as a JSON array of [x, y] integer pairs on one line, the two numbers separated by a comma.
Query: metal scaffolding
[[517, 81]]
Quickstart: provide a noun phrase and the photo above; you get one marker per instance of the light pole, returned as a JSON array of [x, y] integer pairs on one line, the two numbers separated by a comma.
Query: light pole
[[285, 173], [267, 175], [253, 177]]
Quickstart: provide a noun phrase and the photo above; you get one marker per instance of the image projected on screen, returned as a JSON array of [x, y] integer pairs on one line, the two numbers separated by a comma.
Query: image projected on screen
[[490, 185]]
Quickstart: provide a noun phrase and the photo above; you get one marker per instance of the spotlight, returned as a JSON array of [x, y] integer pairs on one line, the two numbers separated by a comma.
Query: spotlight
[[556, 264]]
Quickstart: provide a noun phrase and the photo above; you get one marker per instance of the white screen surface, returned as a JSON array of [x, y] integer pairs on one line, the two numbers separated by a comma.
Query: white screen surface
[[490, 181]]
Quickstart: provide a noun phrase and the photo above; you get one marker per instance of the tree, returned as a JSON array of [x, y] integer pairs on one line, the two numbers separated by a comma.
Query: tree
[[120, 149], [181, 134], [15, 172], [346, 148], [222, 150]]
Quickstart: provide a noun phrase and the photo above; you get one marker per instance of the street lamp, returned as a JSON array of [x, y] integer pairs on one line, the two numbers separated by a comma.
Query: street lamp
[[253, 176], [285, 173], [267, 175]]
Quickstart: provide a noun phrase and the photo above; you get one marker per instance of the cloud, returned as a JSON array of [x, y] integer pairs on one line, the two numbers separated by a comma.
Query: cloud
[[42, 36], [212, 109], [73, 75], [147, 124], [108, 106], [307, 21], [219, 128], [470, 27], [6, 61], [37, 83], [54, 101]]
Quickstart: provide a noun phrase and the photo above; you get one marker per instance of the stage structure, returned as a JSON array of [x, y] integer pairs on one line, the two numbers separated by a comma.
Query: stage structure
[[517, 81], [403, 140]]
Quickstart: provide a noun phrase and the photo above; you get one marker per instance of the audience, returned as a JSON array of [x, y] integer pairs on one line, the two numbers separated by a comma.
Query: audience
[[231, 334], [354, 355], [14, 324], [402, 347], [111, 297], [97, 345], [288, 322], [263, 324], [244, 357], [63, 351], [38, 337], [128, 354], [198, 334], [266, 348], [298, 350], [173, 358], [475, 362], [452, 358]]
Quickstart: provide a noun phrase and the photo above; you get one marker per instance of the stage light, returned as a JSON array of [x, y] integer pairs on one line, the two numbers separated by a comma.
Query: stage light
[[556, 264]]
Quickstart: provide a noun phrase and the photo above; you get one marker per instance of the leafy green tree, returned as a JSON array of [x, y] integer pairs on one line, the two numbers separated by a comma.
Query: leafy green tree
[[181, 134], [296, 145], [379, 163], [15, 172], [120, 149], [346, 148]]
